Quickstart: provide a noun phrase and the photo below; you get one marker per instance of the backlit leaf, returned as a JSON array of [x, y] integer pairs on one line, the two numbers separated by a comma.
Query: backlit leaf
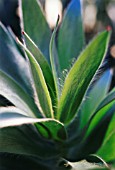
[[48, 128], [44, 66], [70, 36], [42, 94], [36, 26], [94, 97], [80, 76]]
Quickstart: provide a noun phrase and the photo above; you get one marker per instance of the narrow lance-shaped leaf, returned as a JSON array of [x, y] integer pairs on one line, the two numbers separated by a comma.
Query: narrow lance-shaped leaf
[[94, 97], [48, 128], [44, 66], [36, 26], [80, 76], [53, 51], [70, 36], [14, 93], [42, 96], [90, 102]]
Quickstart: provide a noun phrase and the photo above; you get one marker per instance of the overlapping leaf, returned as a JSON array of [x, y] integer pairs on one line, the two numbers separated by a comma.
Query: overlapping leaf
[[36, 26], [48, 128], [14, 93], [90, 103], [43, 98], [12, 61], [45, 68], [71, 36], [25, 140], [80, 77], [92, 139], [107, 150], [54, 59], [94, 97], [100, 116]]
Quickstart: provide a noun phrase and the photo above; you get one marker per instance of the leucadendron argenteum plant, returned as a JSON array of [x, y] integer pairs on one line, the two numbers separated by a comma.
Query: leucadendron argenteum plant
[[54, 125]]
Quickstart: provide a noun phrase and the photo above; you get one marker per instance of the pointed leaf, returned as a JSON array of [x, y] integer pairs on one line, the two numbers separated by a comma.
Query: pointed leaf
[[36, 26], [53, 52], [94, 97], [80, 76], [42, 96], [12, 60], [44, 66], [91, 100], [49, 128], [71, 36], [14, 93]]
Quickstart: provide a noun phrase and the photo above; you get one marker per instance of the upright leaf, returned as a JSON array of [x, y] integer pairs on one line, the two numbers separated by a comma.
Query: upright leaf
[[80, 76], [36, 26], [45, 68], [43, 98], [53, 52], [94, 97], [71, 36]]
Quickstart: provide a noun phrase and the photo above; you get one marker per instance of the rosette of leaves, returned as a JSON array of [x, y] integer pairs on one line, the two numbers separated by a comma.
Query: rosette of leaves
[[50, 124]]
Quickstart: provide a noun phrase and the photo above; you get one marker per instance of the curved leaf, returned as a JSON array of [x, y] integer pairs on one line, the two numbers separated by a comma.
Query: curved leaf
[[107, 150], [12, 61], [99, 116], [43, 96], [53, 59], [109, 98], [90, 103], [49, 128], [25, 140], [71, 36], [14, 93], [45, 68], [36, 26], [94, 97], [94, 135], [80, 76]]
